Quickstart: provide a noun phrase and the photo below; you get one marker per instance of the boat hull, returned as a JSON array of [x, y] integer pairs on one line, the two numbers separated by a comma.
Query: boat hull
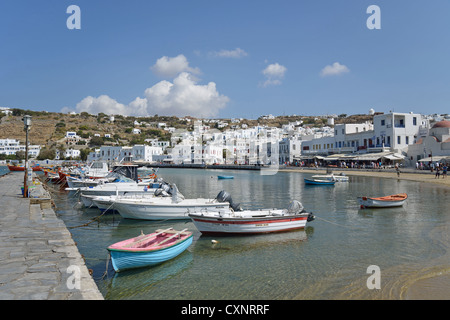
[[158, 211], [125, 260], [109, 189], [20, 168], [241, 226], [382, 202], [319, 182], [337, 178]]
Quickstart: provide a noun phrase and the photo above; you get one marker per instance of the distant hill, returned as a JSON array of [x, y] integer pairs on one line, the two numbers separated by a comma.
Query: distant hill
[[49, 128]]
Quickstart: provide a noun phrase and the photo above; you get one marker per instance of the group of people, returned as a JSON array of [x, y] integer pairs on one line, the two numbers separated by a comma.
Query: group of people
[[438, 171]]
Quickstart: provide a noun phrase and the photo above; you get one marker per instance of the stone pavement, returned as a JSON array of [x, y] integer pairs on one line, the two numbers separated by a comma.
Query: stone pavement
[[38, 257]]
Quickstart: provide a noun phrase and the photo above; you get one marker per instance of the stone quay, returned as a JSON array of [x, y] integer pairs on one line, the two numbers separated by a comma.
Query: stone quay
[[38, 258]]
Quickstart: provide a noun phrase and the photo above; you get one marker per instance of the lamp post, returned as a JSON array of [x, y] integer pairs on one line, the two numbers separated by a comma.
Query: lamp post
[[27, 124]]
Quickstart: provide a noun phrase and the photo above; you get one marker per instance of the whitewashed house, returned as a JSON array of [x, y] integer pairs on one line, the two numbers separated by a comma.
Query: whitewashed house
[[433, 147]]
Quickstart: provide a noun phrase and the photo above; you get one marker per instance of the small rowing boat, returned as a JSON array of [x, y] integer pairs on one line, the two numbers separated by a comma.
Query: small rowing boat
[[319, 182], [22, 168], [225, 177], [149, 250], [395, 200]]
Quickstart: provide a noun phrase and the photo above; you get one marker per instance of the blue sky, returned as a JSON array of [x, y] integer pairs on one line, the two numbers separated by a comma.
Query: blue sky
[[225, 58]]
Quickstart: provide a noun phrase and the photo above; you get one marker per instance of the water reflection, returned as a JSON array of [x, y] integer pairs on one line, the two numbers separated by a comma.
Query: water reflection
[[327, 260]]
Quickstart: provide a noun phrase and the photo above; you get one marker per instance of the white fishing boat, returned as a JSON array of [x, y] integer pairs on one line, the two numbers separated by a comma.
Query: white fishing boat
[[224, 222], [75, 182], [106, 202], [331, 177], [114, 188], [162, 208]]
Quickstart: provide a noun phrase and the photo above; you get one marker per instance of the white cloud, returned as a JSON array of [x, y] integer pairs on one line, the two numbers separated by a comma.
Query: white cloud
[[185, 97], [103, 104], [334, 70], [274, 73], [182, 97], [170, 67], [236, 53]]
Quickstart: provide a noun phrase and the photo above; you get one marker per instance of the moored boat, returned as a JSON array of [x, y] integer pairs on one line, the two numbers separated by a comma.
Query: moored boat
[[331, 177], [113, 188], [395, 200], [22, 168], [149, 250], [162, 208], [227, 222], [319, 182], [225, 177]]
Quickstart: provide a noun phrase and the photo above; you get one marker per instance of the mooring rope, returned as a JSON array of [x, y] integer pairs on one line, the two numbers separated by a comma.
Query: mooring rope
[[337, 224], [94, 219]]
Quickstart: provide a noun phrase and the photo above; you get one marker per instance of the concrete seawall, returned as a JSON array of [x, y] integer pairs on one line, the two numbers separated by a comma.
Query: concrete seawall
[[38, 258]]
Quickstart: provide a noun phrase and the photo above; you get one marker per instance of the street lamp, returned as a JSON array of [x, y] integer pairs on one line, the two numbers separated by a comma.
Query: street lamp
[[27, 123]]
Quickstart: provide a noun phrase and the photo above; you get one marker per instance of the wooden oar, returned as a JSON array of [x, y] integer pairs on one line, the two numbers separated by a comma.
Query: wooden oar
[[165, 240], [146, 237]]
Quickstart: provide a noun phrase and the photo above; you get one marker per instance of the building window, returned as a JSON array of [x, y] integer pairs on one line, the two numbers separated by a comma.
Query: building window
[[414, 121], [407, 140], [382, 122], [399, 140]]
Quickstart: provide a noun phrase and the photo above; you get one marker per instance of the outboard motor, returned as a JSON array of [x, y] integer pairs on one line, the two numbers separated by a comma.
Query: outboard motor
[[310, 218], [224, 196], [236, 206], [295, 207]]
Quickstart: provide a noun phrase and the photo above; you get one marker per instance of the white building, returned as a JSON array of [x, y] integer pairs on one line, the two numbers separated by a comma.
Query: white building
[[396, 130], [6, 111], [145, 153], [117, 153], [11, 146], [72, 153], [434, 147], [289, 148], [389, 132]]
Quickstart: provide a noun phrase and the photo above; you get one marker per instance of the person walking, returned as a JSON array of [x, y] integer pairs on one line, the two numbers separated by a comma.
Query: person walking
[[437, 172], [398, 170], [444, 171]]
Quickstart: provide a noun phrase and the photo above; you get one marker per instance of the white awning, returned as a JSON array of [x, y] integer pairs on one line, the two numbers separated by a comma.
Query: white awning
[[371, 156], [394, 156], [433, 158]]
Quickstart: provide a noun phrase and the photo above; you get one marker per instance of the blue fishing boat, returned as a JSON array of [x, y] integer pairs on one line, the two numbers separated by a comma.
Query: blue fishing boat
[[148, 250], [319, 182], [225, 177]]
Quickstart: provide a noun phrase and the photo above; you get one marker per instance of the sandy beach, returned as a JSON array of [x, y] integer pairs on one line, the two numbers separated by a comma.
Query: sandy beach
[[405, 174], [436, 287]]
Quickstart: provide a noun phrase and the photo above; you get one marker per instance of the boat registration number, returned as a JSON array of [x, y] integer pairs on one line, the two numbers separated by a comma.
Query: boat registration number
[[261, 225]]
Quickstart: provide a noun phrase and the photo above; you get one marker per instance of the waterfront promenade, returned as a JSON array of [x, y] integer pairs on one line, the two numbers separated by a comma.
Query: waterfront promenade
[[38, 258]]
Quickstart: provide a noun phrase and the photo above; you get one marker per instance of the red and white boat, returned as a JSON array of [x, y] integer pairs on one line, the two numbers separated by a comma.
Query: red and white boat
[[395, 200], [251, 221]]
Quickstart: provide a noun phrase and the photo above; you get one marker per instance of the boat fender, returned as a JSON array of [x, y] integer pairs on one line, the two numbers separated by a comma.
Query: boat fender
[[364, 198], [310, 218]]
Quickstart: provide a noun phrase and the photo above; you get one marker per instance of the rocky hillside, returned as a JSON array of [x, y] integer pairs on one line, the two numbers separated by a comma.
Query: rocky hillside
[[50, 128]]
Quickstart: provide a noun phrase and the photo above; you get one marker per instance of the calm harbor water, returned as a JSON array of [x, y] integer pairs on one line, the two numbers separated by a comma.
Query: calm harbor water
[[327, 260], [3, 170]]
